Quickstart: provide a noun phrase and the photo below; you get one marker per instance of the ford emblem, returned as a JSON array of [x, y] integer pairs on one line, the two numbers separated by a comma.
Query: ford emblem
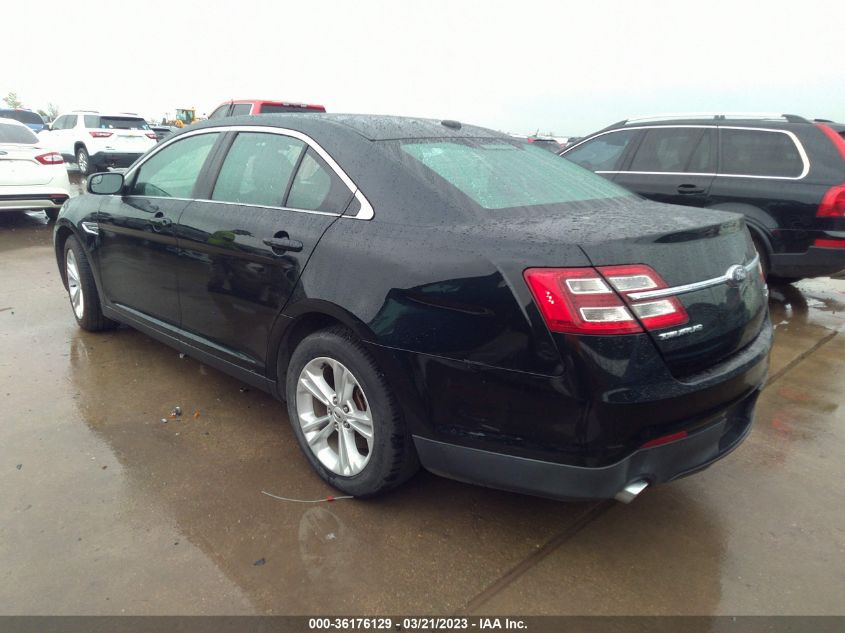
[[736, 275]]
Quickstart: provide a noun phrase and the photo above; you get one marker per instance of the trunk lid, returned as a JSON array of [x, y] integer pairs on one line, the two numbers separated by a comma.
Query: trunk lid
[[688, 246], [18, 166]]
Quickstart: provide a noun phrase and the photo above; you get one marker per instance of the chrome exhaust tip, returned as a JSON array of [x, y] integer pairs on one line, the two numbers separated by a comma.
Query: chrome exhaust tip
[[630, 492]]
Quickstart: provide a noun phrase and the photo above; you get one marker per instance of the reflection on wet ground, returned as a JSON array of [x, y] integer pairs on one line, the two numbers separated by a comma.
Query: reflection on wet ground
[[106, 509]]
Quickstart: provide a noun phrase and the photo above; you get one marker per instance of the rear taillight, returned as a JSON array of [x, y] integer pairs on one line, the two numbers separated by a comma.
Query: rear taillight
[[152, 135], [833, 203], [655, 313], [50, 158], [596, 301], [101, 134]]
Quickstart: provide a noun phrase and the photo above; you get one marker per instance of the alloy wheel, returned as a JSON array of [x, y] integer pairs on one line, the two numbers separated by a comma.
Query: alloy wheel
[[334, 416], [82, 162], [74, 285]]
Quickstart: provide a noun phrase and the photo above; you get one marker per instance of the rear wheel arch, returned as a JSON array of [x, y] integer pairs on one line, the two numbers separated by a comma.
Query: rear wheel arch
[[303, 320]]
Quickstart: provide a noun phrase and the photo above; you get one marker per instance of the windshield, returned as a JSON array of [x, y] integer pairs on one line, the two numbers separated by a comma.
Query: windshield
[[24, 116], [11, 133], [500, 174]]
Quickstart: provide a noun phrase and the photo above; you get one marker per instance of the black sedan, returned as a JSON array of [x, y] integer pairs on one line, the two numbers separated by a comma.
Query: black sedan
[[427, 292]]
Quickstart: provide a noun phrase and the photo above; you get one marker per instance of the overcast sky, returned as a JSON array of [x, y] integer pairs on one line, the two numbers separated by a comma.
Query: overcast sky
[[517, 66]]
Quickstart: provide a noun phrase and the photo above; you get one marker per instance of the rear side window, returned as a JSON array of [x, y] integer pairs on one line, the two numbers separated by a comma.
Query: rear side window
[[274, 108], [24, 116], [173, 172], [674, 149], [603, 153], [241, 108], [497, 174], [257, 169], [759, 153], [116, 123], [11, 133], [317, 187]]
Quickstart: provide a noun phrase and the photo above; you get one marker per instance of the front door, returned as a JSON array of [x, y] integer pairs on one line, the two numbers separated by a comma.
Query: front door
[[138, 255], [244, 249]]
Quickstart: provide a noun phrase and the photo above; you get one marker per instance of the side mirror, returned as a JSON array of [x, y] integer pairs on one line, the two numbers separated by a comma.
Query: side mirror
[[107, 183]]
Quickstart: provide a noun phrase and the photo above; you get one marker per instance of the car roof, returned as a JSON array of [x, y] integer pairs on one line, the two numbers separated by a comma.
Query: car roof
[[374, 127], [711, 118]]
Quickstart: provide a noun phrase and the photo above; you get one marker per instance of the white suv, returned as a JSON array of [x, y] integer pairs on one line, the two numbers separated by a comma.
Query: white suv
[[96, 141]]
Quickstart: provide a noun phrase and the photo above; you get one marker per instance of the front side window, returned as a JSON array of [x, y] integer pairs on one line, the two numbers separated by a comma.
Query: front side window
[[497, 174], [257, 169], [603, 153], [61, 123], [759, 153], [674, 149], [173, 172], [317, 187]]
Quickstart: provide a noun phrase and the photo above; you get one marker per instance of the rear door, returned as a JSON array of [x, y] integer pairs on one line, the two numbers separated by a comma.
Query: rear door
[[138, 256], [673, 164], [245, 246]]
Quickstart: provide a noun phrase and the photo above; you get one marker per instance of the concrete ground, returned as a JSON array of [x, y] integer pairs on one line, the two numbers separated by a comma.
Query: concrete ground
[[104, 509]]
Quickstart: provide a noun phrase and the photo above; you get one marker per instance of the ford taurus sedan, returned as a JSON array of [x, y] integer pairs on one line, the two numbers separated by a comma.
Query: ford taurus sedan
[[427, 292]]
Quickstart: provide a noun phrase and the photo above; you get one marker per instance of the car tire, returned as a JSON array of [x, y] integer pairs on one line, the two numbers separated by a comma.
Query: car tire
[[371, 466], [83, 161], [52, 214], [82, 291]]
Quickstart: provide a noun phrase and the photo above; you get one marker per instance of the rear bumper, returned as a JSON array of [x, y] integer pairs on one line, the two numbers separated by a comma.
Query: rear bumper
[[816, 262], [114, 159], [28, 201], [723, 433]]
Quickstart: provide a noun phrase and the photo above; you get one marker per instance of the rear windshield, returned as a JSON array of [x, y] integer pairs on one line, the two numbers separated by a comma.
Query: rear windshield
[[274, 108], [115, 122], [24, 116], [11, 133], [499, 174]]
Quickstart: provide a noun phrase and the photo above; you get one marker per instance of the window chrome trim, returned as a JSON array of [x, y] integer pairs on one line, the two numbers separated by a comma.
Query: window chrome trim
[[805, 160], [660, 293], [364, 213]]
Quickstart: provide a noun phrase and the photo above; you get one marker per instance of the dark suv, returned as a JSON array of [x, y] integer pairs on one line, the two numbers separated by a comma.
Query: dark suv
[[786, 174]]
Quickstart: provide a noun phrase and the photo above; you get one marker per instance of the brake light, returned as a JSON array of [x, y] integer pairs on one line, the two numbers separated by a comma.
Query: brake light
[[50, 158], [151, 135], [654, 314], [833, 203], [101, 134], [597, 301]]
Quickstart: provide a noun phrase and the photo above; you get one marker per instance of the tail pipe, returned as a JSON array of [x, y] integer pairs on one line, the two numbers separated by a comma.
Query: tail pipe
[[631, 491]]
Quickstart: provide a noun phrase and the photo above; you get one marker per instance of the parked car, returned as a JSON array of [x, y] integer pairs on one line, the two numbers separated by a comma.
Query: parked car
[[30, 119], [97, 141], [437, 293], [162, 131], [261, 106], [31, 177], [546, 143], [784, 173]]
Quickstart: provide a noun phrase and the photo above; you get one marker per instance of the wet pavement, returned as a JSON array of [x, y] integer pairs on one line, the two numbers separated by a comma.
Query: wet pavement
[[104, 509]]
